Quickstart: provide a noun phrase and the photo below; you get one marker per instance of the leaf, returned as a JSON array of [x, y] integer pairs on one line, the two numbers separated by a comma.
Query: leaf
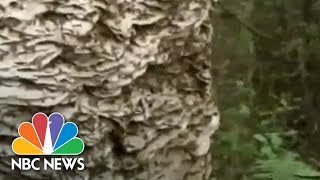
[[261, 138], [287, 167], [305, 170], [276, 141]]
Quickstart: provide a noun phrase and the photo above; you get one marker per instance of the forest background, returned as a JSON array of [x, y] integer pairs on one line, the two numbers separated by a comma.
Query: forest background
[[267, 77]]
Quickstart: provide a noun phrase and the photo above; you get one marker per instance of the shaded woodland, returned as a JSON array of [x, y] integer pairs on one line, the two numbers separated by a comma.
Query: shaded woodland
[[267, 77]]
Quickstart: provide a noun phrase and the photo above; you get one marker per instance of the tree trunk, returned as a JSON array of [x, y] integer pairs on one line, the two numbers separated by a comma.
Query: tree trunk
[[134, 75]]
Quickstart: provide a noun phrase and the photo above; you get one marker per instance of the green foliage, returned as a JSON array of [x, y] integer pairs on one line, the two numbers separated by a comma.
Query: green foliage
[[277, 163], [267, 70], [287, 167]]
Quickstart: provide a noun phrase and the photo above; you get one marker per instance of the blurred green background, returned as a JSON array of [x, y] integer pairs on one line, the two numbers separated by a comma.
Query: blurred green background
[[267, 77]]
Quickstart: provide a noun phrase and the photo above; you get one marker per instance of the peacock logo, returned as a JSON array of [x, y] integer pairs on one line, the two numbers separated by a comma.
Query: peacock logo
[[48, 136]]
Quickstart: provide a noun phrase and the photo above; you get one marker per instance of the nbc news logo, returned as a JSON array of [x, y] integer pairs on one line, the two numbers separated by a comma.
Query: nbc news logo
[[47, 136]]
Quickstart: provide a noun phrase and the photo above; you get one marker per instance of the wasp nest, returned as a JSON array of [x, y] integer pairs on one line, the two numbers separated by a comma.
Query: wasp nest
[[133, 74]]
